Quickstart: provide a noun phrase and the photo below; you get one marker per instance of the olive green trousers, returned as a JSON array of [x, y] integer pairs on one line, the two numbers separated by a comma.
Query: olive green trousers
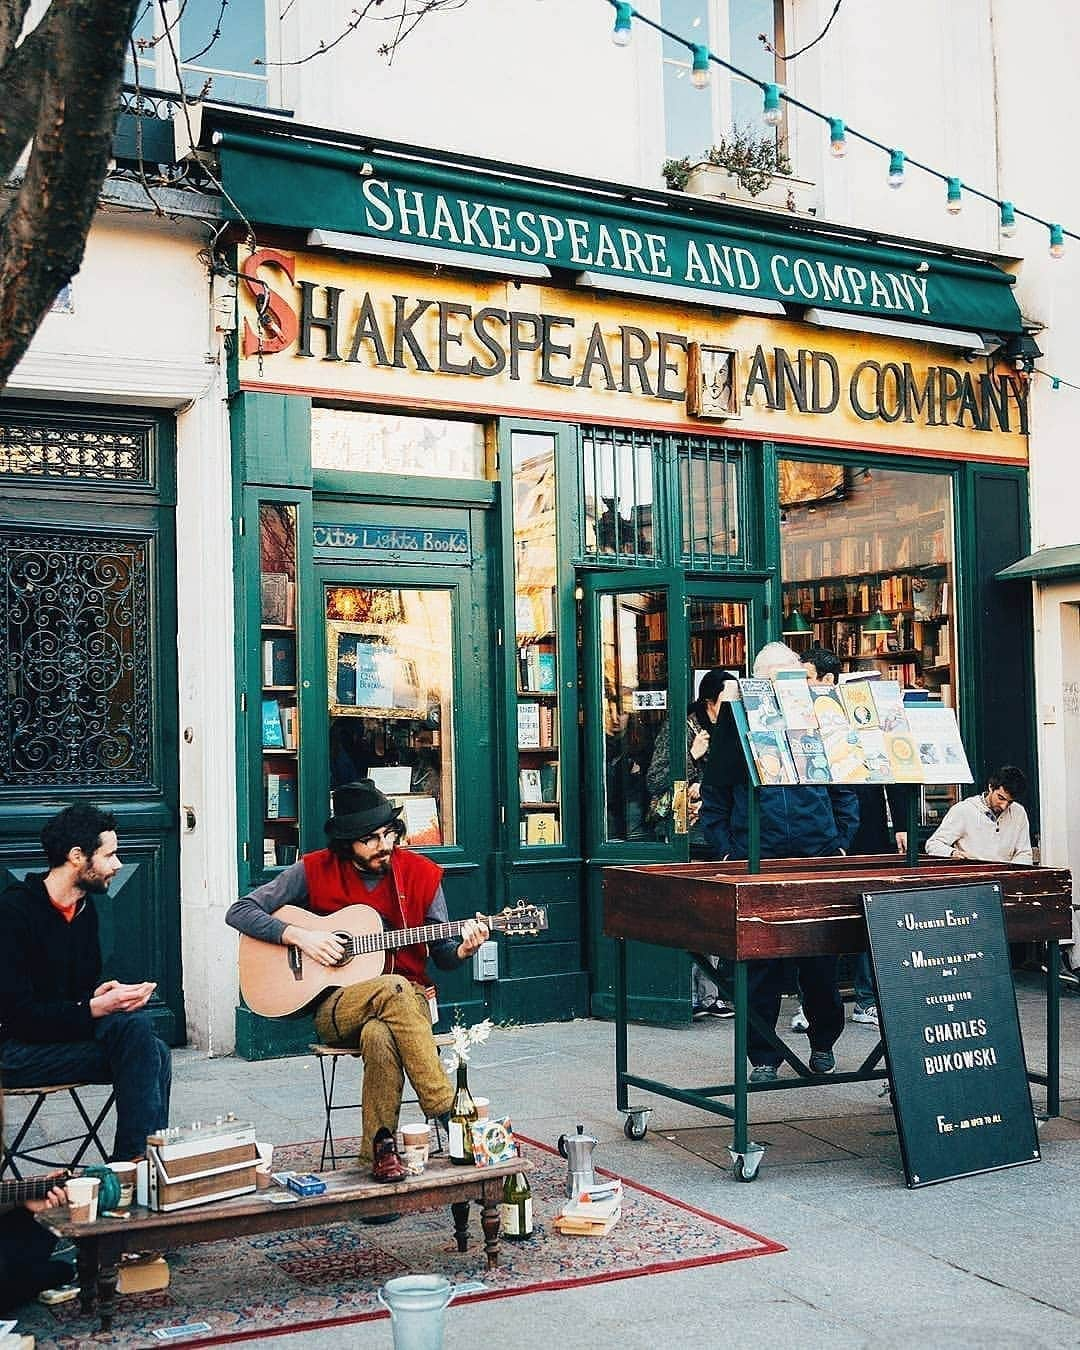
[[388, 1020]]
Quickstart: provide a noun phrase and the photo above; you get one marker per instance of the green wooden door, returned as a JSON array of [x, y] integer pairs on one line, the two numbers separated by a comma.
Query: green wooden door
[[649, 637], [88, 662]]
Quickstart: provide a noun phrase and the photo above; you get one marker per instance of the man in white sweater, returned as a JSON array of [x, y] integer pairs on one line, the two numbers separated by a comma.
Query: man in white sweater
[[992, 827]]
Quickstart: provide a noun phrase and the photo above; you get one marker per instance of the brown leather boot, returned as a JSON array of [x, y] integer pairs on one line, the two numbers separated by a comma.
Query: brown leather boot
[[386, 1165]]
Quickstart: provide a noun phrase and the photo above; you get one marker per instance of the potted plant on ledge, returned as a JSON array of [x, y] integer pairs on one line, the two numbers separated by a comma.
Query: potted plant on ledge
[[743, 167]]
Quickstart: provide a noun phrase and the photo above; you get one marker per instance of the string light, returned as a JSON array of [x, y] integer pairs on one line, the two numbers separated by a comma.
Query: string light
[[700, 70], [624, 15], [837, 137], [896, 169], [772, 113], [1008, 220], [953, 202], [1057, 241]]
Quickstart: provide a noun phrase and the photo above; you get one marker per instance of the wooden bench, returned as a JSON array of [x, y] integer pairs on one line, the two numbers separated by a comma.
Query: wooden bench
[[348, 1195]]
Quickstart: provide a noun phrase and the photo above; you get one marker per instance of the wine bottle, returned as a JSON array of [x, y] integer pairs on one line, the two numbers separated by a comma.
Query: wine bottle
[[516, 1208], [462, 1114]]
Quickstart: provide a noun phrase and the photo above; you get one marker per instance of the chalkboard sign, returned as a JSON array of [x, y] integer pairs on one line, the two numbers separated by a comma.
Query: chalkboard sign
[[948, 1016]]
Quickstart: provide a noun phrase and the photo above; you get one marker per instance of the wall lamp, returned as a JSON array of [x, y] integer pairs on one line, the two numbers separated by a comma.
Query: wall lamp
[[1022, 350]]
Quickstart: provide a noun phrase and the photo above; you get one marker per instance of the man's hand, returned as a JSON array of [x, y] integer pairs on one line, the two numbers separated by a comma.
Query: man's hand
[[699, 746], [473, 935], [113, 997], [958, 852], [326, 948], [57, 1196]]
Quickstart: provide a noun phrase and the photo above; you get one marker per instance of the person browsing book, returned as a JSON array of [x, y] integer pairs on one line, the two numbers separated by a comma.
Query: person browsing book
[[387, 1018], [796, 822], [992, 827]]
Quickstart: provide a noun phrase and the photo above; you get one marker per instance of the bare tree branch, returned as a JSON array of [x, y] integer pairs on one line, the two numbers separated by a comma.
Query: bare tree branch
[[12, 17], [412, 10], [43, 231]]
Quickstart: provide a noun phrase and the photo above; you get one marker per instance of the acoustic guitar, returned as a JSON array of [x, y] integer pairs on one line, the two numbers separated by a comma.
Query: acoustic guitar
[[277, 980], [30, 1188]]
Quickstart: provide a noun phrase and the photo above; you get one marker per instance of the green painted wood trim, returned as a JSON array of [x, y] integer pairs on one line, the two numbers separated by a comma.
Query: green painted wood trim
[[401, 490], [271, 437], [541, 998]]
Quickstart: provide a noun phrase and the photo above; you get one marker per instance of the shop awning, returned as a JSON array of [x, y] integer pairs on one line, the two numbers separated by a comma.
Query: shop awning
[[292, 178], [1046, 565]]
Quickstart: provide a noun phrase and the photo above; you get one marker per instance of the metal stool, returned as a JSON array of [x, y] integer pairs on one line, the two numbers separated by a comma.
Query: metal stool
[[14, 1152], [329, 1054]]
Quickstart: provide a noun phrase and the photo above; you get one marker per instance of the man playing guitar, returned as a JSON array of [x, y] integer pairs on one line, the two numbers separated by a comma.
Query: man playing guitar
[[387, 1017]]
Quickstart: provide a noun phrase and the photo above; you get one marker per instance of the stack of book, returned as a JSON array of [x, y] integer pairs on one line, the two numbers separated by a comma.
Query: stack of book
[[592, 1213]]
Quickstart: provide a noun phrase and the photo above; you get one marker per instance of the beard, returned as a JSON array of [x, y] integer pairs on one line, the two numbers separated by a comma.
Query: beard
[[94, 884], [376, 866]]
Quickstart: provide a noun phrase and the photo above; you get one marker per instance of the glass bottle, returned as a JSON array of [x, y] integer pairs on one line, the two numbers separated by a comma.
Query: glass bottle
[[462, 1114], [516, 1208]]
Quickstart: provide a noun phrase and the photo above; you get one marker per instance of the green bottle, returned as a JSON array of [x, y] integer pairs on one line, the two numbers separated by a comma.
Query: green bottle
[[463, 1113], [516, 1209]]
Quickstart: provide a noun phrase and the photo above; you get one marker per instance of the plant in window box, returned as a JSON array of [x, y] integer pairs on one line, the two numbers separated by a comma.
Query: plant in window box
[[743, 166]]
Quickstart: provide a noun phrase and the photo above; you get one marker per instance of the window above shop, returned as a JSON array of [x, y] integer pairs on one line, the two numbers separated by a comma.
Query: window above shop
[[618, 516], [221, 49], [695, 119], [356, 441]]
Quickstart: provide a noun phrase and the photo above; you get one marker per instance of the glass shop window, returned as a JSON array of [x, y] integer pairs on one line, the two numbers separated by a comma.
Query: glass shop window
[[619, 519], [357, 441]]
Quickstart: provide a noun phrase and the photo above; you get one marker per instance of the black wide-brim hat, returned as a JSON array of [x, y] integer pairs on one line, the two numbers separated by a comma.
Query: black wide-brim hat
[[359, 809]]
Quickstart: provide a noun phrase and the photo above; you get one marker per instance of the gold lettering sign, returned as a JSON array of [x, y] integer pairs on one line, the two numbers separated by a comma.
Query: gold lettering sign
[[401, 336]]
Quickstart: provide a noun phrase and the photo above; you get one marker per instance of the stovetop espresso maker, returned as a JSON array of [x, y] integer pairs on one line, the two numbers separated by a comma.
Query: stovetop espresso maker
[[577, 1149]]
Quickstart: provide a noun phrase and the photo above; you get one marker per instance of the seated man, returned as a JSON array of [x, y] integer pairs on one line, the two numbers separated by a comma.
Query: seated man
[[387, 1017], [58, 1023], [992, 827], [796, 822]]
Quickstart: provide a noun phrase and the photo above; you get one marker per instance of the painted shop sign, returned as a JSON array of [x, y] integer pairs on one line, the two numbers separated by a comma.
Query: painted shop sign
[[335, 328], [392, 543], [296, 184], [951, 1031]]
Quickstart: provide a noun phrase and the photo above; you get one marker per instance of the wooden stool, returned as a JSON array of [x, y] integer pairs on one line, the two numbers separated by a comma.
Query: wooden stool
[[15, 1152], [329, 1054]]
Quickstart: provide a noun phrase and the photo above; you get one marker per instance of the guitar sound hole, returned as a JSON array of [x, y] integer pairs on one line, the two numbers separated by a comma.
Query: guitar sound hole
[[346, 940]]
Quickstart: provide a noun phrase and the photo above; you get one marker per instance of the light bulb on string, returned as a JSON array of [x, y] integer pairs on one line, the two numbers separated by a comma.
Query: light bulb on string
[[953, 202], [896, 169], [700, 70], [772, 113], [1008, 220], [837, 137], [624, 15], [1057, 241]]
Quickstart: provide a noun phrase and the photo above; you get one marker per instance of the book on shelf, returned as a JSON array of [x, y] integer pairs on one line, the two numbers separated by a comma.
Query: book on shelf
[[549, 781], [926, 596], [289, 720], [542, 827], [888, 699], [809, 757], [273, 732], [530, 787], [281, 796], [936, 737], [279, 661], [528, 725], [269, 852], [536, 668], [374, 675], [796, 703], [287, 854], [274, 598]]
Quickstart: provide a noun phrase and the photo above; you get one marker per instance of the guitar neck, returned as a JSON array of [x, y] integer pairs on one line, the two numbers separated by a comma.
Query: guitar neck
[[391, 940], [32, 1188]]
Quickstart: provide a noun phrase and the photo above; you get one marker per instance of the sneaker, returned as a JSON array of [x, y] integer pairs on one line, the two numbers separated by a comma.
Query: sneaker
[[866, 1013], [714, 1008], [822, 1061], [764, 1073], [799, 1021]]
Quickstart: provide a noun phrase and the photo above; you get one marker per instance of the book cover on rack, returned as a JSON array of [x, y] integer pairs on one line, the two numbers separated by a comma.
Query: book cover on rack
[[828, 709], [888, 699], [936, 735], [845, 755], [875, 755], [773, 758], [903, 756], [796, 702], [808, 753], [859, 702], [760, 705]]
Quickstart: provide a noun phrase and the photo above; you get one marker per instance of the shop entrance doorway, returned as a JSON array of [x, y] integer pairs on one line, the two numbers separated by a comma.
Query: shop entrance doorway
[[650, 636]]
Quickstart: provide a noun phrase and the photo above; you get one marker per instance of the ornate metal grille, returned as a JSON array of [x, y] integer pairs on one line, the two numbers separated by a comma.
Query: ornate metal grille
[[87, 450], [75, 624]]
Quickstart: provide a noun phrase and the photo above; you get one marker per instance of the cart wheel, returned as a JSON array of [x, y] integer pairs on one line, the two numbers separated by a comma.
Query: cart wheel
[[636, 1124], [745, 1170]]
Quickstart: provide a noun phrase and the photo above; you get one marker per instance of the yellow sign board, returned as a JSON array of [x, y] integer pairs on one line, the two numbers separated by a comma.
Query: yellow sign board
[[400, 336]]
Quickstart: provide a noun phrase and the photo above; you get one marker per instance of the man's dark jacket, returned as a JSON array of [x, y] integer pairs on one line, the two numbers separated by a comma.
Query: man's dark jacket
[[796, 822], [49, 968]]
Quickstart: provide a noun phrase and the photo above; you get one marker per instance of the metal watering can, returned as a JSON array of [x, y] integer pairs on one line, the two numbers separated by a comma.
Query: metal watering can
[[417, 1304], [577, 1149]]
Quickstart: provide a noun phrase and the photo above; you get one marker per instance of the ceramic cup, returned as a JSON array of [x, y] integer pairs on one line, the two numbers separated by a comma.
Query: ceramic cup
[[82, 1194], [125, 1172], [483, 1107]]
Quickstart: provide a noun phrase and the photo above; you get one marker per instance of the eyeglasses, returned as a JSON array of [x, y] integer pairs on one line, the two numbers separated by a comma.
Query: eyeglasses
[[387, 835]]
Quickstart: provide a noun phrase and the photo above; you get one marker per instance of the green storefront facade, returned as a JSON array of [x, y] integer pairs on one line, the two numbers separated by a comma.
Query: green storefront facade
[[517, 459]]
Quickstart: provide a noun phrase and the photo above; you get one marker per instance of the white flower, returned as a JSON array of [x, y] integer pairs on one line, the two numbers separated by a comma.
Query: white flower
[[465, 1038]]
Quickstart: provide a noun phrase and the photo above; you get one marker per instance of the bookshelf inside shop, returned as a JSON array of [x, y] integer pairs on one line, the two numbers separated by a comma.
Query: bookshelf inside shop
[[279, 716], [539, 789]]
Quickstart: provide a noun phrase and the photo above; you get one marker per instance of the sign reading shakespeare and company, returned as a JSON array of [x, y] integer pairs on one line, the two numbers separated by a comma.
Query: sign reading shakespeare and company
[[335, 328], [951, 1030], [287, 181]]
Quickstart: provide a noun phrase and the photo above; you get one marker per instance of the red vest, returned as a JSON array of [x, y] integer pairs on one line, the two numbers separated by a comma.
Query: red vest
[[402, 897]]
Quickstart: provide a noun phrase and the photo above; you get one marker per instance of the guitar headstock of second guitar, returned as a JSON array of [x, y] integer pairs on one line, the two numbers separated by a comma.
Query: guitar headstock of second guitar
[[522, 919]]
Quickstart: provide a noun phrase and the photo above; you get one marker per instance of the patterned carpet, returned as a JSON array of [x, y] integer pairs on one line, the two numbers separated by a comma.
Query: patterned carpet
[[319, 1277]]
